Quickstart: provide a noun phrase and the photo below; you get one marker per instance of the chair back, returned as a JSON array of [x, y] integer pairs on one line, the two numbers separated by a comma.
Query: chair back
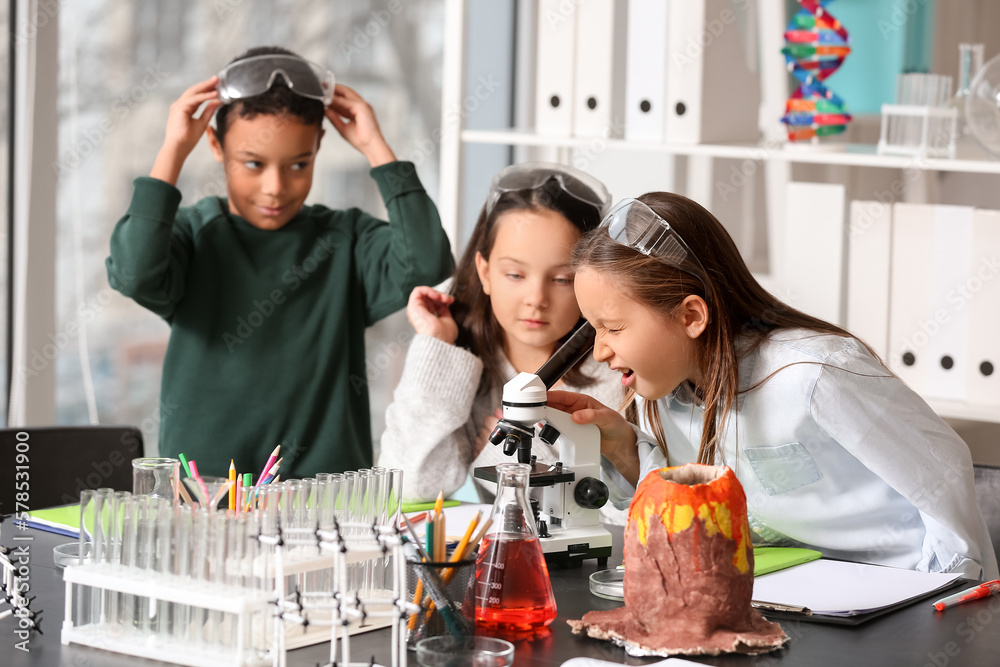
[[46, 466], [988, 495]]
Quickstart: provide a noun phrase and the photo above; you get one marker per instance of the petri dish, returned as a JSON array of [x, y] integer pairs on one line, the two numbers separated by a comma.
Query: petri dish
[[608, 584], [466, 651], [69, 553]]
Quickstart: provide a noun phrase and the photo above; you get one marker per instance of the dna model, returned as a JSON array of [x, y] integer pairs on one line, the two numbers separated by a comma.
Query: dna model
[[815, 47]]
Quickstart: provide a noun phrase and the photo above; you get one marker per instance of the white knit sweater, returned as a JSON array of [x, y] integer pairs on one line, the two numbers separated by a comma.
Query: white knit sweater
[[433, 423]]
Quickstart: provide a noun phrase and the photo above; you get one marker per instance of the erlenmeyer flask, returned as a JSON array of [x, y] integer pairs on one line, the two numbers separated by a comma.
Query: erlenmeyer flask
[[513, 591]]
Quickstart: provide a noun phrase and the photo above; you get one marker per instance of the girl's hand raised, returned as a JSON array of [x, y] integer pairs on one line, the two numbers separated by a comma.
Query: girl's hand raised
[[427, 311], [618, 439]]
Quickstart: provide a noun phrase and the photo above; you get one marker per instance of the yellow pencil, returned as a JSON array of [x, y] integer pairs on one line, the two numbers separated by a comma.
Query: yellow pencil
[[439, 503], [232, 489], [474, 542], [440, 539], [417, 596]]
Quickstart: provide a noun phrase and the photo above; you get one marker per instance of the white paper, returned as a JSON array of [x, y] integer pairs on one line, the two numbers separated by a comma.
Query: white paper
[[838, 588], [457, 518]]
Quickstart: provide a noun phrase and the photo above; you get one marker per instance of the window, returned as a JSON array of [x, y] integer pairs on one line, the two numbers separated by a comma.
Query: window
[[121, 65]]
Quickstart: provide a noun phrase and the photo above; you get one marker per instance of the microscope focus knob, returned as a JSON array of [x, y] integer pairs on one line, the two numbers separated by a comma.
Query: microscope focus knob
[[591, 493]]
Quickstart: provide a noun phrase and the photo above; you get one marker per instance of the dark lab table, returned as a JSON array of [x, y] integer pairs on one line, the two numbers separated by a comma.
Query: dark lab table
[[914, 636]]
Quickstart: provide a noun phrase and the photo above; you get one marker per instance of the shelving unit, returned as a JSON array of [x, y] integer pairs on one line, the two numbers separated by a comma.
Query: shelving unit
[[852, 155], [773, 152]]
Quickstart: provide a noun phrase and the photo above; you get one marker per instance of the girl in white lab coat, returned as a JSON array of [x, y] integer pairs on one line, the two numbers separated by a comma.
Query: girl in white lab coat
[[833, 450]]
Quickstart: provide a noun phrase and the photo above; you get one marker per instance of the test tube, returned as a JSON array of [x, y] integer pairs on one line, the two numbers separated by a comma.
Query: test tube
[[198, 546], [217, 578], [145, 535], [126, 560], [103, 525], [380, 502], [304, 510], [116, 599], [180, 567], [291, 489], [346, 498], [162, 564], [395, 495], [83, 594]]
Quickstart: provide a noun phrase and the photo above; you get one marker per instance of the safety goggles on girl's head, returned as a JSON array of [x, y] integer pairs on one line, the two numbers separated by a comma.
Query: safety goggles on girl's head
[[633, 224], [538, 175], [255, 75]]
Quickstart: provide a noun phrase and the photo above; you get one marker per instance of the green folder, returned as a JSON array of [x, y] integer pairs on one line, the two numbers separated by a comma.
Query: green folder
[[772, 559], [423, 507]]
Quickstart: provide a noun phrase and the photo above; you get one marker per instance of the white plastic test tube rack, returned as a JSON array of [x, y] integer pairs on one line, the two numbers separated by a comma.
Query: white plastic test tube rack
[[921, 131], [341, 610], [197, 587]]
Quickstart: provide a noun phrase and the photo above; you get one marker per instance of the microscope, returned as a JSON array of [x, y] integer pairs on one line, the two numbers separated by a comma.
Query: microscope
[[569, 492]]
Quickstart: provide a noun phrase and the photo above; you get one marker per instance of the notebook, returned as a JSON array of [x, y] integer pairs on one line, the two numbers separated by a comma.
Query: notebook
[[840, 589]]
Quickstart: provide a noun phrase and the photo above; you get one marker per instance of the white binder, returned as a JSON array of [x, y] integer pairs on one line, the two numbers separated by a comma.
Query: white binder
[[814, 240], [951, 264], [982, 295], [599, 88], [869, 240], [646, 70], [912, 322], [554, 71], [708, 76]]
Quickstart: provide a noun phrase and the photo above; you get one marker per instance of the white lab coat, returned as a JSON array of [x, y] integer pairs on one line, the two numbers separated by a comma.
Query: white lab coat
[[838, 455]]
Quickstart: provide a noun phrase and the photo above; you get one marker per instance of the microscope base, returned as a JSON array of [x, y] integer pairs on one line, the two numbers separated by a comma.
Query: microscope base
[[570, 547]]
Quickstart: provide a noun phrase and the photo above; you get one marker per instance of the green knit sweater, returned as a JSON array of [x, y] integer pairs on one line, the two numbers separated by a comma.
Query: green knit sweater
[[267, 327]]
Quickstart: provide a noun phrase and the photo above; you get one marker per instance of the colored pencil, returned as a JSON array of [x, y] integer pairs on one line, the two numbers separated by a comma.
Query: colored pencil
[[232, 489], [236, 492], [247, 489], [418, 594], [271, 475], [456, 555], [439, 503], [184, 462], [440, 538], [267, 466], [474, 542], [201, 485]]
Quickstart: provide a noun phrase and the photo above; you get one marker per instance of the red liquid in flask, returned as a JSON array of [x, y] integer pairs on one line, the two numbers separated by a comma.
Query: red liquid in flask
[[513, 593]]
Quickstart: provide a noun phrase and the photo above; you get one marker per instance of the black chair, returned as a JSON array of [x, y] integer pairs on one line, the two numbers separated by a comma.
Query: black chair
[[46, 466], [988, 495]]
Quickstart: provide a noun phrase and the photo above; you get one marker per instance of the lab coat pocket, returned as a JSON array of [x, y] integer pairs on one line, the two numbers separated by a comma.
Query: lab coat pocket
[[783, 468]]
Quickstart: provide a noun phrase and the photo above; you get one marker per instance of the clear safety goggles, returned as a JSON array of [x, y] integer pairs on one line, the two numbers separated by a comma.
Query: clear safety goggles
[[255, 75], [538, 175], [633, 224]]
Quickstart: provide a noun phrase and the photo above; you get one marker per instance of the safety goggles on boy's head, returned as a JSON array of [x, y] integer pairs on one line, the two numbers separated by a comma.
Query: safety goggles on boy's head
[[537, 175], [633, 224], [255, 75]]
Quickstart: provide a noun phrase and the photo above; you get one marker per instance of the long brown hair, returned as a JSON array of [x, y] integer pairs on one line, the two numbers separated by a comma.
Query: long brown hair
[[739, 309], [478, 328]]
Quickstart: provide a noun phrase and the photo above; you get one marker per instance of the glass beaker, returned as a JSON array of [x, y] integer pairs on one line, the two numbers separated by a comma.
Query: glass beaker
[[513, 591], [155, 477]]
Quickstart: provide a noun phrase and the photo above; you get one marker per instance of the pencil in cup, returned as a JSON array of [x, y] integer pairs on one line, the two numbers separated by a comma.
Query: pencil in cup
[[458, 589]]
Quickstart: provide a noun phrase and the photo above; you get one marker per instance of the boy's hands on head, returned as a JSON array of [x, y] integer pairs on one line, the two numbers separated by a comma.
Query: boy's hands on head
[[356, 123], [184, 130], [428, 313], [618, 440]]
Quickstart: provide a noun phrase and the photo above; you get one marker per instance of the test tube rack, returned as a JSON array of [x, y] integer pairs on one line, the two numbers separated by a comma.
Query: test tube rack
[[918, 130], [332, 614]]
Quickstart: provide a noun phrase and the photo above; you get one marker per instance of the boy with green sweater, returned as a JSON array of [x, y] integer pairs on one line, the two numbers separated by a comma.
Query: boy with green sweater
[[268, 298]]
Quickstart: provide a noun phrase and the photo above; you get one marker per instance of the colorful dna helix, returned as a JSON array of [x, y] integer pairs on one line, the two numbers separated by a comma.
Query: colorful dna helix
[[815, 47]]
